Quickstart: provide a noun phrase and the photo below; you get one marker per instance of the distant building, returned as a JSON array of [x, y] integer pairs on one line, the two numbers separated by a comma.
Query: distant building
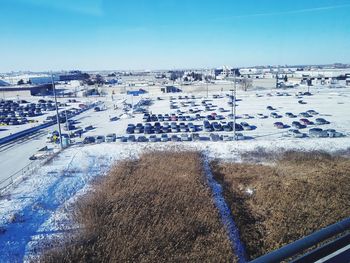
[[3, 83], [136, 92], [75, 75], [224, 72], [42, 80], [170, 89], [39, 90]]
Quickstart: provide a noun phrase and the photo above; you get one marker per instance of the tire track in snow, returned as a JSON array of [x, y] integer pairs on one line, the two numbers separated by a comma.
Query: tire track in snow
[[224, 211]]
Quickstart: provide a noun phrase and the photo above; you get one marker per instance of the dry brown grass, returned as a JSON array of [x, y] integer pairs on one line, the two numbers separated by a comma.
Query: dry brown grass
[[300, 194], [155, 209]]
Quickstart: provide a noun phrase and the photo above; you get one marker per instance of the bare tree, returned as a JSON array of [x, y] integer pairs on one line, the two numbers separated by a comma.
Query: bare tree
[[246, 84]]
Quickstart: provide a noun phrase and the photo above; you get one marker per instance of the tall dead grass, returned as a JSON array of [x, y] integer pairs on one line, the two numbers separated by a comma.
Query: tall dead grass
[[300, 194], [155, 209]]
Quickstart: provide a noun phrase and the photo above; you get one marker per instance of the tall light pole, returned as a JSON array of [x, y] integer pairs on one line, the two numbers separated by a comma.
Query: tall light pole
[[57, 117], [207, 81], [234, 106]]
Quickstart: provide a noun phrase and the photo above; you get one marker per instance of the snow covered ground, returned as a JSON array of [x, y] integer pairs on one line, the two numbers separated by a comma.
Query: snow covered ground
[[38, 206]]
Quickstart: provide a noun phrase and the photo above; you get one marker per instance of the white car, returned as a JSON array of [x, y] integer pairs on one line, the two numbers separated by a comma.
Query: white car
[[239, 136]]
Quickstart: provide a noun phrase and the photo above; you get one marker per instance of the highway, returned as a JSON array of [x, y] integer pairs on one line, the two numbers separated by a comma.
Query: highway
[[14, 155]]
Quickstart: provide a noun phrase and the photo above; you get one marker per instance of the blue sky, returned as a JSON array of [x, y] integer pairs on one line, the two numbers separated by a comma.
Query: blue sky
[[166, 34]]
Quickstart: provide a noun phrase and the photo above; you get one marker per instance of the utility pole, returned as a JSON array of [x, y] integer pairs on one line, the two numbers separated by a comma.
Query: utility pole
[[65, 111], [207, 81], [234, 106], [57, 117]]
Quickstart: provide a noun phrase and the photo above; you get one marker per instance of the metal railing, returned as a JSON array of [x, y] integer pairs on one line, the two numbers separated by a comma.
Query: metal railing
[[30, 168], [298, 247]]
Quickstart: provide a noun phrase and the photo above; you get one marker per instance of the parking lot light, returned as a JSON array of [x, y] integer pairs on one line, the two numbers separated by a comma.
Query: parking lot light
[[58, 119]]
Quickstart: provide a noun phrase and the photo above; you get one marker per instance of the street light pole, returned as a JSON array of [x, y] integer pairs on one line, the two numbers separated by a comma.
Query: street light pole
[[57, 117], [207, 81], [234, 107]]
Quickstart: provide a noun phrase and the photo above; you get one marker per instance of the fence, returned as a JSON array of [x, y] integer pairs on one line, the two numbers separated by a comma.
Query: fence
[[17, 176]]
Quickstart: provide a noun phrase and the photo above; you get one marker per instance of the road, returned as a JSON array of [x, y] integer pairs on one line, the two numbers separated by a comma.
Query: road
[[14, 156]]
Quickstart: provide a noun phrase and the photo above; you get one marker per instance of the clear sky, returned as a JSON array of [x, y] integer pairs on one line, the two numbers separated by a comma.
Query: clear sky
[[166, 34]]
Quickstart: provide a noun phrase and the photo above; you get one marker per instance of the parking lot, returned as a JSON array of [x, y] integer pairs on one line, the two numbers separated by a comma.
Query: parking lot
[[261, 115], [20, 114]]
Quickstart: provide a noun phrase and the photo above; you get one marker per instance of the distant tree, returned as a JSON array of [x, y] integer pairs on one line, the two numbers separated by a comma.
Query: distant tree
[[99, 79], [246, 84], [173, 76], [186, 79], [85, 75], [20, 82], [208, 78], [285, 78]]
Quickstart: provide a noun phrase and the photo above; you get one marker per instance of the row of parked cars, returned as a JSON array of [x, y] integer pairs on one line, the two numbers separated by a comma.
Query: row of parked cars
[[175, 127], [316, 133], [180, 117], [162, 138], [17, 112]]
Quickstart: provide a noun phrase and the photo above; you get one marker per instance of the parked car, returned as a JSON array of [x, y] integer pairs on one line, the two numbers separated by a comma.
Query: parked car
[[321, 121], [195, 137], [295, 133], [142, 139], [333, 133], [239, 136], [246, 126], [261, 116], [185, 138], [100, 139], [174, 138], [306, 122], [290, 115], [164, 138], [89, 128], [297, 125], [275, 115], [318, 133], [122, 139], [312, 112], [279, 125], [131, 138], [153, 138], [111, 137], [88, 140], [227, 138], [214, 137], [305, 115]]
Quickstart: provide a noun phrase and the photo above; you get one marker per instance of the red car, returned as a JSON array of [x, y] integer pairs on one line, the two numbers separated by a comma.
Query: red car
[[305, 122], [279, 125]]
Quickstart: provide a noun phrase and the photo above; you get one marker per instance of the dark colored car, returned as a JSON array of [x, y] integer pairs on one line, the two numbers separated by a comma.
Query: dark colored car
[[89, 139]]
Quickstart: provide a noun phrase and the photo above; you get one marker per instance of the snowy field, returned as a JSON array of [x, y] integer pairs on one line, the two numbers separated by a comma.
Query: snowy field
[[38, 206]]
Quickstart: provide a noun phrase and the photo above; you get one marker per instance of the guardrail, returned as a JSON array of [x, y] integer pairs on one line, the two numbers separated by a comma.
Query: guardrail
[[31, 167], [39, 127], [28, 169], [311, 240]]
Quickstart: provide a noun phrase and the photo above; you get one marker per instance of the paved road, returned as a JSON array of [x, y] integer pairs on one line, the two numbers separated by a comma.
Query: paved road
[[15, 155]]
